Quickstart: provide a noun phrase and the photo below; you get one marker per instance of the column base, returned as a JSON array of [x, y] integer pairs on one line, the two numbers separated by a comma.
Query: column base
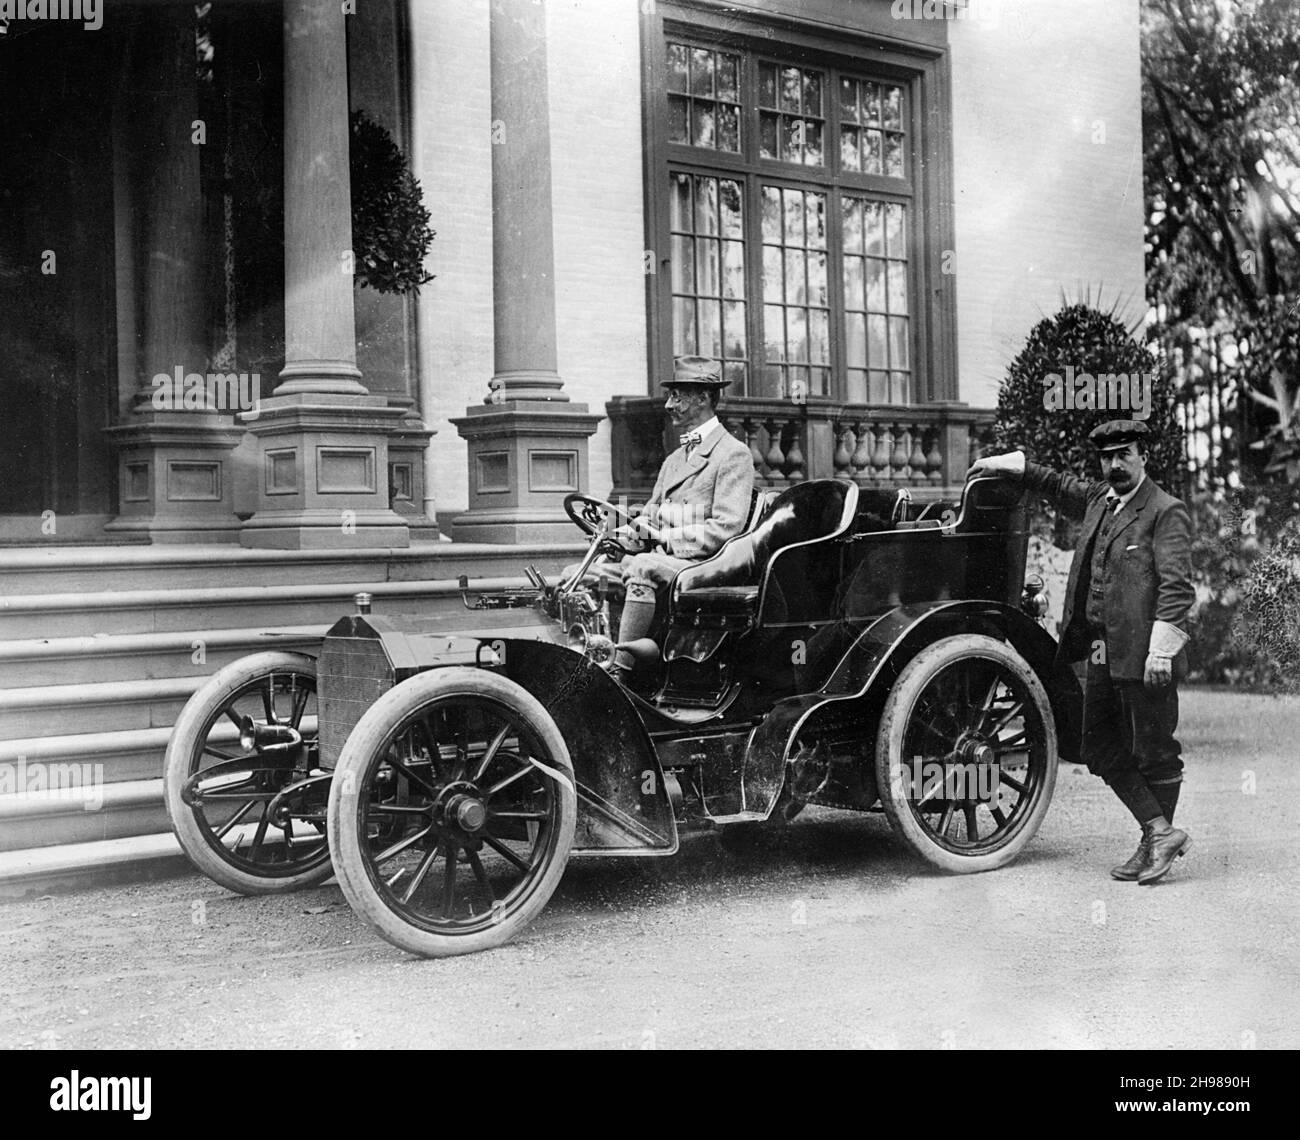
[[525, 456], [323, 474], [174, 477]]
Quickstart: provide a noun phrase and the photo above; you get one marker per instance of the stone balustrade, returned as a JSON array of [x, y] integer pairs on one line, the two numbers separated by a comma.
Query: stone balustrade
[[926, 448]]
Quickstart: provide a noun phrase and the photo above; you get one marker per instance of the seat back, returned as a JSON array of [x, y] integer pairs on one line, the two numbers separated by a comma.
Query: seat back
[[802, 513]]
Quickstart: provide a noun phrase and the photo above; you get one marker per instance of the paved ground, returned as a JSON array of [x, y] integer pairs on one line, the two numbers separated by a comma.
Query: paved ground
[[834, 937]]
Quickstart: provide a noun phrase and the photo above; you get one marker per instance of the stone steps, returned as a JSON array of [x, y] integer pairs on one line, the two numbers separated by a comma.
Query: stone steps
[[101, 647]]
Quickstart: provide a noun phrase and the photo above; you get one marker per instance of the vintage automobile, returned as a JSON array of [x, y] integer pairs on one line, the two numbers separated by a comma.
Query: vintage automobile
[[838, 652]]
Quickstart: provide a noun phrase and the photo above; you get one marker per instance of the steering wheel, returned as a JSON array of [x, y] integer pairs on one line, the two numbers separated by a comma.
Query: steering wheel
[[595, 516]]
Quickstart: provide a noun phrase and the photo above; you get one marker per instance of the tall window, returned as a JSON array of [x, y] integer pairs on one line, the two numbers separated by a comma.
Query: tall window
[[791, 213]]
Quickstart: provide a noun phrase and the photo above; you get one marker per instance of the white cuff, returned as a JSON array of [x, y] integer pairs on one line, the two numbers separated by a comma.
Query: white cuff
[[1166, 639], [1016, 461]]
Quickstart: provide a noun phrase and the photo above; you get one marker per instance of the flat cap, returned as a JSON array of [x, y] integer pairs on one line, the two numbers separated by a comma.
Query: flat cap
[[696, 372], [1115, 434]]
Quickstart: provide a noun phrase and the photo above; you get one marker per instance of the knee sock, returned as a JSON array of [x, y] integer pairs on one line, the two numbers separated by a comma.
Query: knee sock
[[1135, 795], [638, 616], [1167, 796]]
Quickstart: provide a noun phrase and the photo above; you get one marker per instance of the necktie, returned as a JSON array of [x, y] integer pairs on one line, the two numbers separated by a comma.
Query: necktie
[[689, 441]]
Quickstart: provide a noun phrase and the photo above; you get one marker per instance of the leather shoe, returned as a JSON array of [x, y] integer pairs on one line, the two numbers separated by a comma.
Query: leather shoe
[[1129, 871], [1166, 846]]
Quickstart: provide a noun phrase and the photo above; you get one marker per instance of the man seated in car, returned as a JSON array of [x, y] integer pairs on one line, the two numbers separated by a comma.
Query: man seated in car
[[700, 499]]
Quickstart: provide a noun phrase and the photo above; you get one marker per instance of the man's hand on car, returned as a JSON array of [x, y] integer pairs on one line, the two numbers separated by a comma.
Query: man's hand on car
[[1005, 466]]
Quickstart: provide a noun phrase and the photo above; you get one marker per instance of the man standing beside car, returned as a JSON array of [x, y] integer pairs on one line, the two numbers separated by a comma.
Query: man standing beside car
[[1126, 607]]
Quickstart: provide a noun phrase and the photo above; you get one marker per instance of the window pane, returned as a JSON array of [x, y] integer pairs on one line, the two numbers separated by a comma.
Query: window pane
[[871, 103], [876, 285], [728, 127], [790, 88], [728, 72], [856, 329], [812, 93], [702, 125], [850, 158], [857, 392], [878, 388], [817, 279], [871, 152], [815, 220], [877, 352], [812, 143], [767, 135], [729, 202], [849, 100], [766, 85], [706, 205], [702, 73], [893, 155], [733, 269], [898, 287], [733, 317], [873, 229], [793, 217], [773, 275], [683, 265], [678, 109], [896, 235], [736, 373], [795, 290], [684, 342], [899, 356], [677, 68], [901, 385], [819, 338], [893, 108], [774, 332], [852, 225], [853, 294], [791, 140], [706, 262], [679, 205], [710, 329]]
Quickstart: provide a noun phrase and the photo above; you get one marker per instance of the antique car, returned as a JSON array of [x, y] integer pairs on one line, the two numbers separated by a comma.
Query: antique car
[[846, 650]]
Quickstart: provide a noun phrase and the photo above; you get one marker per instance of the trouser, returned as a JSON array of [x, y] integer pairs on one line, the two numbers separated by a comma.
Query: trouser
[[1128, 740], [643, 575]]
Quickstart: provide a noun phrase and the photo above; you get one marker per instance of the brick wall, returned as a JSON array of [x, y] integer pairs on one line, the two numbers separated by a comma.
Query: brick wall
[[1040, 206]]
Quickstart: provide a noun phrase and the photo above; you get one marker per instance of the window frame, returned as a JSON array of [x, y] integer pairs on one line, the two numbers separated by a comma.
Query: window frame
[[920, 68]]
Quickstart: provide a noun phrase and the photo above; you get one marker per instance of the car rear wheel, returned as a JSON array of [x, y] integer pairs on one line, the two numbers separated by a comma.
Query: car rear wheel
[[237, 777], [966, 754], [453, 812]]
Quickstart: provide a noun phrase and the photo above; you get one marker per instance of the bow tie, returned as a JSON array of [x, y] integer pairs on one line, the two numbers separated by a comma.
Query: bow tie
[[691, 439]]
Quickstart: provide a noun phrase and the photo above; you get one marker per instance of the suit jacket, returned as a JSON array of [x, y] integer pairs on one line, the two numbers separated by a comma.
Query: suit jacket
[[1148, 573], [702, 500]]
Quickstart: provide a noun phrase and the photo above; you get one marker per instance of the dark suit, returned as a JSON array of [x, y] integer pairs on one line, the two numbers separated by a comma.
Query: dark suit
[[1145, 568]]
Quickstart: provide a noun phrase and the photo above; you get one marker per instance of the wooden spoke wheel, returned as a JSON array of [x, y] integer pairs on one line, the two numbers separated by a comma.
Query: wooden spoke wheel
[[238, 781], [452, 812], [966, 753]]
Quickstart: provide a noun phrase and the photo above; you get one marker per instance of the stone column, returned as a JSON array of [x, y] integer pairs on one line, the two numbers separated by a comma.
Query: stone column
[[322, 438], [174, 443], [528, 446]]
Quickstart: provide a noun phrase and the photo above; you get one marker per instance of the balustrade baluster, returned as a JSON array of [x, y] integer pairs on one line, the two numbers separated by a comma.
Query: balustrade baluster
[[934, 459], [752, 427], [916, 461], [794, 458], [775, 456], [884, 451], [902, 451], [842, 459], [863, 451]]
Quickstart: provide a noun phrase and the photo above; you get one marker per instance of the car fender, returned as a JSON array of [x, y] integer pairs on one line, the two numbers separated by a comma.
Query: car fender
[[874, 659]]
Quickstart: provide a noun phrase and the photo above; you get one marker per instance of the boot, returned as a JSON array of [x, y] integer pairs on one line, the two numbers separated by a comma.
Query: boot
[[1167, 843], [1128, 872]]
